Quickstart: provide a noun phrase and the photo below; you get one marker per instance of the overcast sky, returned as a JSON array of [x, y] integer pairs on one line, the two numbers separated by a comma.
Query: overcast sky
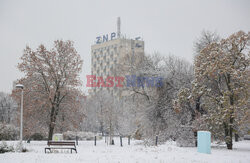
[[167, 27]]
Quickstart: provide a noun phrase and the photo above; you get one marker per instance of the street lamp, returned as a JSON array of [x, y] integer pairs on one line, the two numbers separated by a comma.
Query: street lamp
[[20, 86]]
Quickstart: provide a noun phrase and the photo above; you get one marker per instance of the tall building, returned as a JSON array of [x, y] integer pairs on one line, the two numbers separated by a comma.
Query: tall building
[[107, 53]]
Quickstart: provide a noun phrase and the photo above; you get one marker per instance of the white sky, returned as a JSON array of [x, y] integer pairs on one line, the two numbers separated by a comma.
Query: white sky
[[167, 26]]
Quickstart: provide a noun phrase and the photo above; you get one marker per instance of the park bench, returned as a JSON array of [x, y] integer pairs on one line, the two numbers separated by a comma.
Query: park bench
[[61, 145]]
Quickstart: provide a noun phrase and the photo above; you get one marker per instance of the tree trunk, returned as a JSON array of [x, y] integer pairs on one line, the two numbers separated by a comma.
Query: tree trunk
[[228, 136], [52, 123], [51, 130], [236, 136], [110, 137], [229, 140], [102, 128], [230, 144], [111, 133]]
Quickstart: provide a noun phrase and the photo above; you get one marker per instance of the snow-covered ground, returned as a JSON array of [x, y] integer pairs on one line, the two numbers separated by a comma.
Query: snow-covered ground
[[136, 152]]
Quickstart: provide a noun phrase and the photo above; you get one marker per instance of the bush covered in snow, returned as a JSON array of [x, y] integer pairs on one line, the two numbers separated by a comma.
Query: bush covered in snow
[[5, 148], [20, 147], [186, 138], [70, 135], [8, 132]]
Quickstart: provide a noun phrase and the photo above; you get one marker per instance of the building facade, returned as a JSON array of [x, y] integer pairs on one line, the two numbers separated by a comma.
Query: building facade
[[106, 56]]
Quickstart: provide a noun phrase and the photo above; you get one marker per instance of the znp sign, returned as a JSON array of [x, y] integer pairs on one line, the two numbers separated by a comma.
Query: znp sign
[[105, 38]]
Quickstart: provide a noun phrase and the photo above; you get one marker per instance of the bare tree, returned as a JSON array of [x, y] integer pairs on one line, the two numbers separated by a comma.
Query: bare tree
[[8, 109], [107, 113], [206, 38], [153, 105]]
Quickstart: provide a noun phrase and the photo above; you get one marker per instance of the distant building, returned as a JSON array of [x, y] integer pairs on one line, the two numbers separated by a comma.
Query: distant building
[[107, 54]]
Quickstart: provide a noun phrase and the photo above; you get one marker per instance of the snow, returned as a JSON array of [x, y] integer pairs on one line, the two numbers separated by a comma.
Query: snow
[[136, 152]]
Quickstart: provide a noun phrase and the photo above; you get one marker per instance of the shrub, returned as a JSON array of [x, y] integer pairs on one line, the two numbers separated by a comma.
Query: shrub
[[8, 132], [24, 149], [70, 135], [5, 148], [186, 138], [37, 136], [138, 135], [20, 147]]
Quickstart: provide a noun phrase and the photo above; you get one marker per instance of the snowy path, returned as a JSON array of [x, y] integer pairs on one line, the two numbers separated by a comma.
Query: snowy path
[[168, 152]]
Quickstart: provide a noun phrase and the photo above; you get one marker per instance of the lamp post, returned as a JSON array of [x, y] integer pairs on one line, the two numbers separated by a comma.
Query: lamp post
[[20, 86]]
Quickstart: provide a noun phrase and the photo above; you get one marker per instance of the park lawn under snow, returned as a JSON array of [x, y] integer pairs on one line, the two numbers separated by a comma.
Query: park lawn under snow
[[136, 152]]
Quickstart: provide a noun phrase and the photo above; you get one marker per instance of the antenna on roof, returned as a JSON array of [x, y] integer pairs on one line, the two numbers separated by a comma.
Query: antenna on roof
[[118, 27]]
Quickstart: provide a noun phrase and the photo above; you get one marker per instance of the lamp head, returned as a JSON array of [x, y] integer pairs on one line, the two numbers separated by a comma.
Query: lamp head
[[19, 86]]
